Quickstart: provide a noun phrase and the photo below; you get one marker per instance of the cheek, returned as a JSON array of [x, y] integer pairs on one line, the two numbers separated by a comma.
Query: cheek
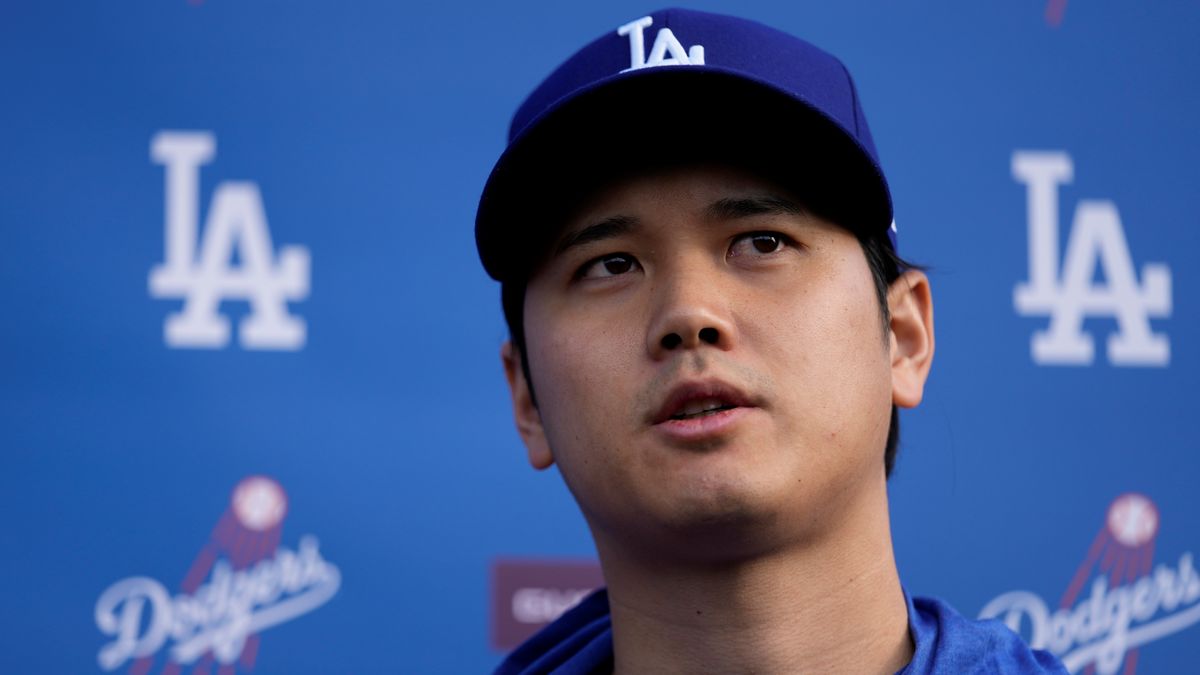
[[582, 374], [824, 342], [576, 364]]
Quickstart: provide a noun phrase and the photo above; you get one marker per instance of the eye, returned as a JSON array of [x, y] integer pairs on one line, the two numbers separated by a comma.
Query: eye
[[611, 265], [758, 244]]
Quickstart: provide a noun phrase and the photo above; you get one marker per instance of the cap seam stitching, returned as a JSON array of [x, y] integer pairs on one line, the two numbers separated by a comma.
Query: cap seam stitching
[[853, 98]]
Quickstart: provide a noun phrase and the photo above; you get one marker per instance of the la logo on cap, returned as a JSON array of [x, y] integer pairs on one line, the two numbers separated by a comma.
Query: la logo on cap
[[664, 43]]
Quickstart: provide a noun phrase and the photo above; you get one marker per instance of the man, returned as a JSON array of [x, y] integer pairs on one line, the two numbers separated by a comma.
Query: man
[[711, 332]]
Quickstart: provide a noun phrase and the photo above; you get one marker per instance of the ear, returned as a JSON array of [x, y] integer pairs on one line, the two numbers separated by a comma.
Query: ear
[[910, 305], [525, 412]]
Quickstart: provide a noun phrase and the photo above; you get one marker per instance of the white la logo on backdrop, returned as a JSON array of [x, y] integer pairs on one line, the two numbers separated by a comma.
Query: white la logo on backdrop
[[237, 223], [664, 43], [1096, 240]]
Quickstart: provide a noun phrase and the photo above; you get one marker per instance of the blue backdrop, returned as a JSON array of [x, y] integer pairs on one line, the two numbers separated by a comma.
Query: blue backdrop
[[331, 155]]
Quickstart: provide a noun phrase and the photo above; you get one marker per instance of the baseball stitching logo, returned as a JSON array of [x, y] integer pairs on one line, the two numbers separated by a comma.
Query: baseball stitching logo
[[1055, 9], [236, 222], [1130, 601], [1096, 243], [252, 584]]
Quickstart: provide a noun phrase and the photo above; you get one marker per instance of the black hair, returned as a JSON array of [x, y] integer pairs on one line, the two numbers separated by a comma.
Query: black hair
[[886, 267]]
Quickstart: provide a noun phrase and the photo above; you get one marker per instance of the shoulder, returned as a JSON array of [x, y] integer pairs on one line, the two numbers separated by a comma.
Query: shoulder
[[947, 642], [577, 643]]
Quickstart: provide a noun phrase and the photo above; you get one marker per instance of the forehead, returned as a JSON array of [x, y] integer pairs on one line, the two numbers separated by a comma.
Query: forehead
[[698, 185]]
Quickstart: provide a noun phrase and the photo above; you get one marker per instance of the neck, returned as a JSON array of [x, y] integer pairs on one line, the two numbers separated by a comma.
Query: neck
[[830, 603]]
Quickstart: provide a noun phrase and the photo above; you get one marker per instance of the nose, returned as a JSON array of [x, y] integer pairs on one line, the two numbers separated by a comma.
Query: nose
[[691, 311]]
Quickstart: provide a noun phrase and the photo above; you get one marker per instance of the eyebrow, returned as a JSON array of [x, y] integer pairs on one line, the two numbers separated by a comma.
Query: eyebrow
[[608, 228], [728, 208], [732, 208]]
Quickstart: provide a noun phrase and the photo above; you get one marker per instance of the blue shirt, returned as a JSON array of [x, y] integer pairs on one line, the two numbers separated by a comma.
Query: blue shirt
[[580, 643]]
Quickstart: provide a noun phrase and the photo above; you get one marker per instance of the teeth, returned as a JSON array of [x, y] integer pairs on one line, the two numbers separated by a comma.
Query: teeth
[[700, 407]]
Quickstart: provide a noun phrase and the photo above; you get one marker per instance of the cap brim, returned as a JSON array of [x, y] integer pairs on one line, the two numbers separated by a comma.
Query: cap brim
[[666, 116]]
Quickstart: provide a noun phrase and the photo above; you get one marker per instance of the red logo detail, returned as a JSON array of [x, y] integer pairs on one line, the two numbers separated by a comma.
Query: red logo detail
[[1055, 9], [1123, 549], [246, 533]]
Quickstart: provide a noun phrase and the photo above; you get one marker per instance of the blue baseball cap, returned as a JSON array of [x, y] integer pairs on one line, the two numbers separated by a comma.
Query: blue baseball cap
[[677, 87]]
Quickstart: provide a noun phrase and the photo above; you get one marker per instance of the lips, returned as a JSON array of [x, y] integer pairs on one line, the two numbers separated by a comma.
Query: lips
[[700, 408], [697, 400]]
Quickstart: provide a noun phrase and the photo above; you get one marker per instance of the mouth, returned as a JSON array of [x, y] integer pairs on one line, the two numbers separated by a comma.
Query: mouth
[[699, 400], [701, 409]]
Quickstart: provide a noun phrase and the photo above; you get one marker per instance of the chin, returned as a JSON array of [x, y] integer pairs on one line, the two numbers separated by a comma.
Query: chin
[[717, 521]]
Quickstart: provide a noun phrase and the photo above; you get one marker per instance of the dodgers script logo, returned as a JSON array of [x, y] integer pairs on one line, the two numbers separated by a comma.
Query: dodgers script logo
[[240, 584], [664, 43], [236, 222], [1097, 242], [1129, 601]]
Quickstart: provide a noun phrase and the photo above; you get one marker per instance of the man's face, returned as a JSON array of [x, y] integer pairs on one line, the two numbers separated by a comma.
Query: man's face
[[708, 362]]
